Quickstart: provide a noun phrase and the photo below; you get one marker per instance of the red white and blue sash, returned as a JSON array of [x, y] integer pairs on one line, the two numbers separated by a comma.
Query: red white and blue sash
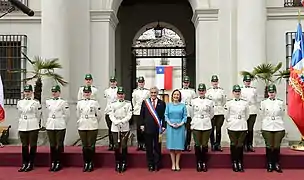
[[153, 113]]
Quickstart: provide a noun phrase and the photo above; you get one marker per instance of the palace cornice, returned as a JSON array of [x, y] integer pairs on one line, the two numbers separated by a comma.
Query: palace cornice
[[204, 15], [283, 13], [273, 13]]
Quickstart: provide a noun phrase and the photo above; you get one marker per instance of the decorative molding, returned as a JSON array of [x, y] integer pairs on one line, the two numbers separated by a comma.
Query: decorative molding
[[273, 13], [104, 16], [204, 15], [283, 13]]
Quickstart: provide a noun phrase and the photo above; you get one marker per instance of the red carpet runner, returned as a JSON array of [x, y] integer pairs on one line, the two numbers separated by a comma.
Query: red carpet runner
[[11, 156]]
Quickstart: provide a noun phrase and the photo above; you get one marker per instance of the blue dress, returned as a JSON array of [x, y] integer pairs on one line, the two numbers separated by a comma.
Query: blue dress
[[175, 137]]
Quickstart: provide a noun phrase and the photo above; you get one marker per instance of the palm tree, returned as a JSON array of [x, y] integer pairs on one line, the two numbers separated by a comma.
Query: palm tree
[[43, 68], [268, 73]]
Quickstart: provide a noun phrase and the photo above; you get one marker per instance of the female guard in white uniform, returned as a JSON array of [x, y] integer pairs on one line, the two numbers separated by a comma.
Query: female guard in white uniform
[[273, 130]]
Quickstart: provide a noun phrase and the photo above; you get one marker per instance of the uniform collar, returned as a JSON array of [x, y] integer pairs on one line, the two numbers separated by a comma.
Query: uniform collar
[[121, 100], [215, 87], [28, 98], [57, 98], [87, 99], [185, 87], [237, 99], [114, 87], [203, 97], [141, 88], [272, 99], [247, 86]]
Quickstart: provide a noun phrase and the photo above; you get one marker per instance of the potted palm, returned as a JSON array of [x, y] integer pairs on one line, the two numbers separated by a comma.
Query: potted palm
[[268, 73]]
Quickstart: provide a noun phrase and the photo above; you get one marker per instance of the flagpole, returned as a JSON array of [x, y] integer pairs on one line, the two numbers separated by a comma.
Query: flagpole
[[299, 16]]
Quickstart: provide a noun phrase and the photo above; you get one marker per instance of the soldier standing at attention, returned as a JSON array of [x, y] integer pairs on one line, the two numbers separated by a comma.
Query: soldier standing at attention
[[187, 95], [58, 114], [30, 115], [249, 94], [236, 116], [120, 115], [218, 96], [110, 95], [88, 82], [203, 112], [138, 96], [273, 130], [88, 114]]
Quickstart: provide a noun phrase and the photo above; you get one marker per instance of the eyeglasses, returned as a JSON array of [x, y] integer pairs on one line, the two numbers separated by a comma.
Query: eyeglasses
[[153, 92]]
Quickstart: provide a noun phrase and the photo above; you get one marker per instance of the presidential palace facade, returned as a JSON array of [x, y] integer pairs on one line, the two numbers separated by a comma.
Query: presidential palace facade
[[220, 37]]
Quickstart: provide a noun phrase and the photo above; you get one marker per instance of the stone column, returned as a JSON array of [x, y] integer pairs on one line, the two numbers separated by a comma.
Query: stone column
[[228, 45], [251, 34], [65, 34], [103, 50], [206, 27]]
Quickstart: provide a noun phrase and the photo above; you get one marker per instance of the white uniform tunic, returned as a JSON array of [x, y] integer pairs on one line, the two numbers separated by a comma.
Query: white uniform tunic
[[110, 95], [187, 95], [94, 94], [138, 96], [250, 95], [219, 98], [58, 114], [30, 114], [88, 113], [237, 113], [203, 112], [120, 115], [272, 112]]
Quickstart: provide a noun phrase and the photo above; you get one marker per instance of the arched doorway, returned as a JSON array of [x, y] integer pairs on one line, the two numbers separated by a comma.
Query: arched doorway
[[134, 17]]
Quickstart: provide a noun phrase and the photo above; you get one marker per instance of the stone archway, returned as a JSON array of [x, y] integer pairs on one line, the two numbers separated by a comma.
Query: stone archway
[[135, 18], [115, 4]]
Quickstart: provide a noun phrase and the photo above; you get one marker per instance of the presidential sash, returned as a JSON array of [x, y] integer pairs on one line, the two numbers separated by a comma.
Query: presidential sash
[[154, 114]]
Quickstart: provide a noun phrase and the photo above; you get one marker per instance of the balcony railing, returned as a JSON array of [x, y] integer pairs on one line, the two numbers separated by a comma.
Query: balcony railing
[[5, 5], [292, 3]]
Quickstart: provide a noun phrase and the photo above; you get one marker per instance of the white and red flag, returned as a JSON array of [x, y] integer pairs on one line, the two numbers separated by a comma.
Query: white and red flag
[[2, 112], [163, 77]]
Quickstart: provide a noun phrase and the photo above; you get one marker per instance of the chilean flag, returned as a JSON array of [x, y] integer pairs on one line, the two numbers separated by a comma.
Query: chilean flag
[[2, 112], [163, 77], [296, 83]]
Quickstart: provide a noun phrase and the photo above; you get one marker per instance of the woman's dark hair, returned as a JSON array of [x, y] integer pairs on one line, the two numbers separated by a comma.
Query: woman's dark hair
[[180, 95]]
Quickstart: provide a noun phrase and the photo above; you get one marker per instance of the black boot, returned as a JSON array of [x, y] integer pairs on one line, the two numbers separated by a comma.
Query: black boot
[[91, 152], [250, 142], [117, 160], [111, 141], [25, 158], [59, 152], [246, 142], [240, 154], [85, 159], [212, 141], [124, 159], [276, 160], [204, 159], [233, 156], [53, 158], [218, 142], [187, 142], [30, 166], [198, 155], [269, 159]]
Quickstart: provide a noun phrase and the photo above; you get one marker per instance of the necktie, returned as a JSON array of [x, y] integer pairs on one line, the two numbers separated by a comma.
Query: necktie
[[153, 103]]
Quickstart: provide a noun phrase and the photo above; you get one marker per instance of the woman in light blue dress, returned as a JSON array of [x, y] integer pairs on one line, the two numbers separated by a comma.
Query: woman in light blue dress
[[176, 117]]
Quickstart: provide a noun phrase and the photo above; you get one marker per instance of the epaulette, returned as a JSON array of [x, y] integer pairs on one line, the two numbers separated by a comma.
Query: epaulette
[[127, 101], [209, 98], [243, 99], [279, 99], [229, 100], [36, 100], [209, 88], [221, 88], [82, 86]]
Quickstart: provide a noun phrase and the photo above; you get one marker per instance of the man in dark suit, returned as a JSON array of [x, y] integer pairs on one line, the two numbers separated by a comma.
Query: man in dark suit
[[153, 124]]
